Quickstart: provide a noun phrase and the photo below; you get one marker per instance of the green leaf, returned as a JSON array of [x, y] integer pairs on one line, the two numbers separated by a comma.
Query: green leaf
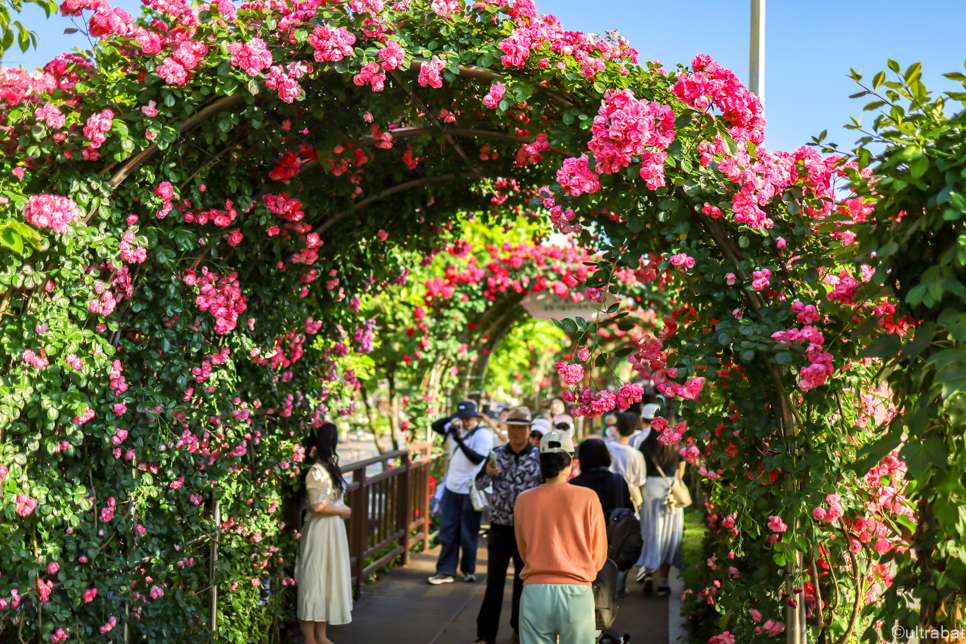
[[885, 346], [601, 360], [893, 65], [919, 167], [11, 240], [878, 79], [923, 454]]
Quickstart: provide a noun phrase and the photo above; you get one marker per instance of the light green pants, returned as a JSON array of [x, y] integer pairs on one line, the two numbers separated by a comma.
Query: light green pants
[[551, 610]]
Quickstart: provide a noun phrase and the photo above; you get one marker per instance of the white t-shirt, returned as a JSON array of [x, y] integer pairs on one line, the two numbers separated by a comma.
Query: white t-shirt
[[639, 438], [629, 463], [461, 469]]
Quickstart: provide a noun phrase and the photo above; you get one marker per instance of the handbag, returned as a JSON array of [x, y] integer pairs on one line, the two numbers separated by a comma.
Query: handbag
[[478, 497], [677, 495]]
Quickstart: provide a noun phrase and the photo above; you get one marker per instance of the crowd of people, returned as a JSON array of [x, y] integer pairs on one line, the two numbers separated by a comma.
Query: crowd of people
[[551, 506]]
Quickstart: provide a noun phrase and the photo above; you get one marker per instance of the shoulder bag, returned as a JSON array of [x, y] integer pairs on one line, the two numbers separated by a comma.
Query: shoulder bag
[[677, 495]]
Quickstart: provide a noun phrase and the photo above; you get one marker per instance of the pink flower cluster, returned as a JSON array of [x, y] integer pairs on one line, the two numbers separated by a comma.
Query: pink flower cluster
[[25, 505], [104, 304], [429, 73], [331, 44], [284, 206], [668, 436], [625, 126], [576, 177], [713, 84], [130, 252], [682, 260], [107, 512], [35, 361], [97, 127], [834, 512], [392, 55], [561, 219], [597, 403], [760, 280], [844, 287], [531, 152], [221, 297], [285, 82], [807, 314], [372, 74], [51, 115], [60, 635], [252, 57], [652, 169], [363, 336], [570, 374], [495, 95], [776, 524], [107, 22], [109, 625], [51, 211]]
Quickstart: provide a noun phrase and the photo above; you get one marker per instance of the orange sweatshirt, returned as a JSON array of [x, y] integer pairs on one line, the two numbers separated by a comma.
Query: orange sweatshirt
[[561, 534]]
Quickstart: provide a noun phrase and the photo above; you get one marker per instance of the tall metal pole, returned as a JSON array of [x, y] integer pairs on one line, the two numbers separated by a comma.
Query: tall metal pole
[[757, 76]]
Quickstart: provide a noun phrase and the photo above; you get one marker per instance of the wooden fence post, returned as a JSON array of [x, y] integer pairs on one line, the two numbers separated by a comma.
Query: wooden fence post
[[426, 470], [212, 581], [360, 519], [404, 512]]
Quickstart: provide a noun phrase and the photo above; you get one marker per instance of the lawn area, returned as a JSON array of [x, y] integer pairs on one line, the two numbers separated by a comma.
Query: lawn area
[[694, 534]]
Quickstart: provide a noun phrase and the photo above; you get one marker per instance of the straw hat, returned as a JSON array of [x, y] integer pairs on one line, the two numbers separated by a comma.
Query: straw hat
[[519, 416]]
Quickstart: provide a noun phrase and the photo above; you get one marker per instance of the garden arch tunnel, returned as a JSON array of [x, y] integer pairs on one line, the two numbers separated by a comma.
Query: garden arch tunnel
[[246, 176]]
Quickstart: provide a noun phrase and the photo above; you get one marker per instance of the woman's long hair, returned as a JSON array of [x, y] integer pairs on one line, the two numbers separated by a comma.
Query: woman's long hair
[[324, 441], [664, 456]]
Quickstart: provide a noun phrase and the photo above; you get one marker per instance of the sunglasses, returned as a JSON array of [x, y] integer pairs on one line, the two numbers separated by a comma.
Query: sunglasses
[[562, 426]]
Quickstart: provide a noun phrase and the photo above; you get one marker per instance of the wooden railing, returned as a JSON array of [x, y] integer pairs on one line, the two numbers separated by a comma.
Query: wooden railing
[[387, 508]]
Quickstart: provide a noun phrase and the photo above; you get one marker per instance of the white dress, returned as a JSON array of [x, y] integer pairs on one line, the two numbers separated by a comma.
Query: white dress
[[322, 570]]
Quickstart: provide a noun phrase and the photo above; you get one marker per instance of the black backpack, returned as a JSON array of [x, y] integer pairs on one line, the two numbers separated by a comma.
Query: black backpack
[[605, 596], [624, 542]]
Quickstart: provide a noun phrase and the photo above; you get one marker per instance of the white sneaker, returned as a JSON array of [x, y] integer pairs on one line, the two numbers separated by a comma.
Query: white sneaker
[[642, 572], [469, 577], [436, 580]]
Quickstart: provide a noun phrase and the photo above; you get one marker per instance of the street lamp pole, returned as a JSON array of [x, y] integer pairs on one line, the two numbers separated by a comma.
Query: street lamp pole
[[757, 76]]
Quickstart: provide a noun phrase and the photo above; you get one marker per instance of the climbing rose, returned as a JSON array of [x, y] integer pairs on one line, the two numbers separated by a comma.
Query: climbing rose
[[25, 505], [760, 279], [51, 115], [89, 595], [576, 177], [492, 99], [429, 73], [51, 211], [392, 55], [52, 568], [252, 56], [331, 44], [776, 524], [570, 374]]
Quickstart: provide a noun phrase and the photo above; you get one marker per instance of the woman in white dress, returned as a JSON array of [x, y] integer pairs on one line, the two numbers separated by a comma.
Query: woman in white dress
[[322, 570], [662, 532]]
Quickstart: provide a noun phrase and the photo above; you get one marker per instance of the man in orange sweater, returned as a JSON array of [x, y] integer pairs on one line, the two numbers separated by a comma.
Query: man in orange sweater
[[562, 540]]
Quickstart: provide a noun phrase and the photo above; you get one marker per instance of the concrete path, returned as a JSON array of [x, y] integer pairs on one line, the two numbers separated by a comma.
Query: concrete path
[[401, 608]]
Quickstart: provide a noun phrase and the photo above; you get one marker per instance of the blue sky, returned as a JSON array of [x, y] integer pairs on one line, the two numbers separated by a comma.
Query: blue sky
[[809, 47]]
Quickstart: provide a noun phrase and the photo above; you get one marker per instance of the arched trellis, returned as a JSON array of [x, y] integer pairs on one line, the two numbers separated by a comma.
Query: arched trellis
[[246, 145]]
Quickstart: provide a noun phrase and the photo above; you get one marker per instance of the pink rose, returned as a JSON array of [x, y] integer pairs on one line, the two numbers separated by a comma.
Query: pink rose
[[776, 524]]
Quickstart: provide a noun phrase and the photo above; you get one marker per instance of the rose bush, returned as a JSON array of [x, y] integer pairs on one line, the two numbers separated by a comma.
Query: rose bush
[[193, 213]]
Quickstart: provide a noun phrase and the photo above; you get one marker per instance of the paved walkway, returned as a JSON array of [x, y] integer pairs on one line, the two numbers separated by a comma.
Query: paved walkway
[[401, 608]]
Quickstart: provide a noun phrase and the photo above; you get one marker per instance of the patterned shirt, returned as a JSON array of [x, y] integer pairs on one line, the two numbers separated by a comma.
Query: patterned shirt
[[519, 472]]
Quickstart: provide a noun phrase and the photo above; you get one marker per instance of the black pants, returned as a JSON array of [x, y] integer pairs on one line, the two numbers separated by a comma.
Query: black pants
[[502, 546]]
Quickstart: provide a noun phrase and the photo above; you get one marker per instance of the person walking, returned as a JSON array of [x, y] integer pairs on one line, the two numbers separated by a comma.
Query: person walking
[[562, 539], [322, 570], [627, 461], [611, 488], [662, 532], [513, 469], [647, 416], [459, 527]]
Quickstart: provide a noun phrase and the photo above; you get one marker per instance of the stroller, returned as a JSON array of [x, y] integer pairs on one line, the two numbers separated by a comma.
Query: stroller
[[605, 605]]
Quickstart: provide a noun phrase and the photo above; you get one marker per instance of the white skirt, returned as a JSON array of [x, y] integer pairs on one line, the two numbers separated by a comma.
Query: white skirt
[[661, 532], [322, 571]]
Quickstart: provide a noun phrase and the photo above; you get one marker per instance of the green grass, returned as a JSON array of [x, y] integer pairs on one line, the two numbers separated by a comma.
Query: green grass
[[691, 546]]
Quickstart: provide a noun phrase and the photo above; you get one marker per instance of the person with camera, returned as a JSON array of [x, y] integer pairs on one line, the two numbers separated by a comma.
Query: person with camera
[[512, 469], [459, 528]]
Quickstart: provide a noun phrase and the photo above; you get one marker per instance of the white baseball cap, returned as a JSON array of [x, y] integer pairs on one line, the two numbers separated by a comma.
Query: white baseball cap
[[541, 425], [649, 411], [556, 441], [564, 419]]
